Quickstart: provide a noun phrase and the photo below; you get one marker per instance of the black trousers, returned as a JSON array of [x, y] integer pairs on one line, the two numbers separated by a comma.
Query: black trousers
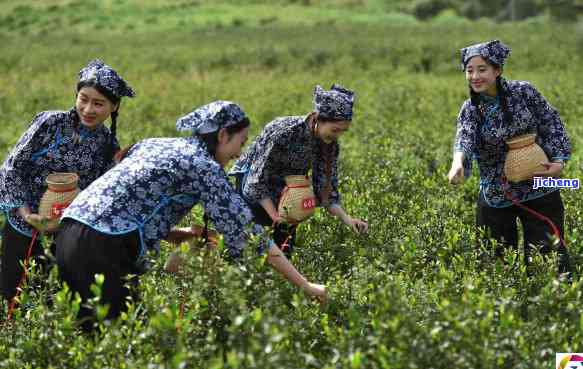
[[500, 224], [15, 246], [284, 235], [83, 252]]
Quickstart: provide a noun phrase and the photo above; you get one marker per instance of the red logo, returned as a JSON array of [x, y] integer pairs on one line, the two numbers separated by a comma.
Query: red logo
[[309, 203], [57, 209]]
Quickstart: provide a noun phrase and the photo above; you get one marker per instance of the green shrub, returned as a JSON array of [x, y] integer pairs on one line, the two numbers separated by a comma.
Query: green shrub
[[410, 291], [425, 9]]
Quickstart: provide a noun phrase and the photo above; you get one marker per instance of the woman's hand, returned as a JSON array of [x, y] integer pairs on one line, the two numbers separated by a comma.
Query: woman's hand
[[120, 154], [318, 291], [277, 219], [270, 209], [179, 235], [174, 262], [283, 266], [194, 235], [357, 225], [552, 169], [456, 173], [39, 222]]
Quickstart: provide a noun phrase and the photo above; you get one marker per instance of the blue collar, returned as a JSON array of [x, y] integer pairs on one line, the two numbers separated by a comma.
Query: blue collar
[[487, 99], [85, 132]]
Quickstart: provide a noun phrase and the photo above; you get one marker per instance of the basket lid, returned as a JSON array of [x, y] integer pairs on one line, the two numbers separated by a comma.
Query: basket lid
[[521, 141], [62, 180], [297, 180]]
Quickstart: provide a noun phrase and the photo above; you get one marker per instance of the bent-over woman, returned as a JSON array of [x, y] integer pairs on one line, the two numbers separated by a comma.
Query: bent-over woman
[[129, 210], [298, 145]]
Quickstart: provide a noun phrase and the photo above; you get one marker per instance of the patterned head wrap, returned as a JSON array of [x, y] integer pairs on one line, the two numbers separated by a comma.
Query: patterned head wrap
[[335, 104], [494, 51], [106, 77], [211, 117]]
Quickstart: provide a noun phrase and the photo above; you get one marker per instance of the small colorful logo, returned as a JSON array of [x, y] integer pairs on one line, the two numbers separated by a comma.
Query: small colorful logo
[[569, 360], [309, 203]]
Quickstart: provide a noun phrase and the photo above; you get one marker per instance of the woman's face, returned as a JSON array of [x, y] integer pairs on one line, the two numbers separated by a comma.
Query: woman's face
[[230, 145], [330, 131], [93, 108], [482, 76]]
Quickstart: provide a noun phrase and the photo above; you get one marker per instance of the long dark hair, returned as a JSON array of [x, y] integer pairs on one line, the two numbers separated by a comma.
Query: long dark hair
[[211, 140], [500, 90], [327, 154], [110, 148]]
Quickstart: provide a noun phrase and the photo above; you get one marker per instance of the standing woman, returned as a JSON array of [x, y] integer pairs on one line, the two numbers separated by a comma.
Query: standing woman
[[56, 141], [499, 110], [126, 212], [294, 145]]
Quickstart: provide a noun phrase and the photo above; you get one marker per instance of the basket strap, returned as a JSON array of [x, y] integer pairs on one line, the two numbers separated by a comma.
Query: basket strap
[[63, 191], [536, 214], [297, 186], [13, 301]]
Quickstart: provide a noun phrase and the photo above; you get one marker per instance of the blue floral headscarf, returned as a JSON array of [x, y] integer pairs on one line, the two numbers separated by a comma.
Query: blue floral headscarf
[[211, 117], [107, 78], [494, 51], [335, 104]]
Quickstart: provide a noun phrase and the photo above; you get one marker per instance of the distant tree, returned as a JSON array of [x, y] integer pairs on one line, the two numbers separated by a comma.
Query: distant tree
[[502, 10], [475, 9], [563, 10], [520, 9], [425, 9]]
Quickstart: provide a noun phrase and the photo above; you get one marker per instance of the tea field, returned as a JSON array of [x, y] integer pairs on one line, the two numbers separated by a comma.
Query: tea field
[[410, 293]]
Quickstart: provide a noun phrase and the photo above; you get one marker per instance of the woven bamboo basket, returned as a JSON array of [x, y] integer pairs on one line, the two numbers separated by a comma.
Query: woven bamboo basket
[[62, 189], [297, 202], [523, 158]]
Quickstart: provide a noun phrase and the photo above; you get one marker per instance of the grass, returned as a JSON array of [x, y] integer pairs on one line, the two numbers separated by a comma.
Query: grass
[[409, 292]]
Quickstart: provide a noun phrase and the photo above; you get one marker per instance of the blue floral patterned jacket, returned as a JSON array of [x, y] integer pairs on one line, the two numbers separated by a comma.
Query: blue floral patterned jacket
[[286, 147], [481, 135], [54, 142], [155, 186]]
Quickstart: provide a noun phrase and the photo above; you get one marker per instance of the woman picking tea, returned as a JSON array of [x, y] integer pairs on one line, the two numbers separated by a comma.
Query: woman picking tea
[[130, 209], [501, 112], [292, 147]]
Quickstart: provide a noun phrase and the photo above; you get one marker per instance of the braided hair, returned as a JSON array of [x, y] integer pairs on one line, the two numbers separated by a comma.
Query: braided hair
[[109, 150], [327, 154]]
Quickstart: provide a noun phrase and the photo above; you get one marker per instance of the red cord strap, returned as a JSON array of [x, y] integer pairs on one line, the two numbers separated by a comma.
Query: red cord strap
[[536, 214], [12, 305]]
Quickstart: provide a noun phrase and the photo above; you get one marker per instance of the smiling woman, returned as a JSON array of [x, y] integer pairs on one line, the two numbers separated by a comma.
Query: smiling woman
[[93, 107], [482, 75], [74, 141], [498, 113], [294, 146]]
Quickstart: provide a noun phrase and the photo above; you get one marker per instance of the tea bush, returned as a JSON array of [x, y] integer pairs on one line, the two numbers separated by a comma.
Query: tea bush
[[410, 294]]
